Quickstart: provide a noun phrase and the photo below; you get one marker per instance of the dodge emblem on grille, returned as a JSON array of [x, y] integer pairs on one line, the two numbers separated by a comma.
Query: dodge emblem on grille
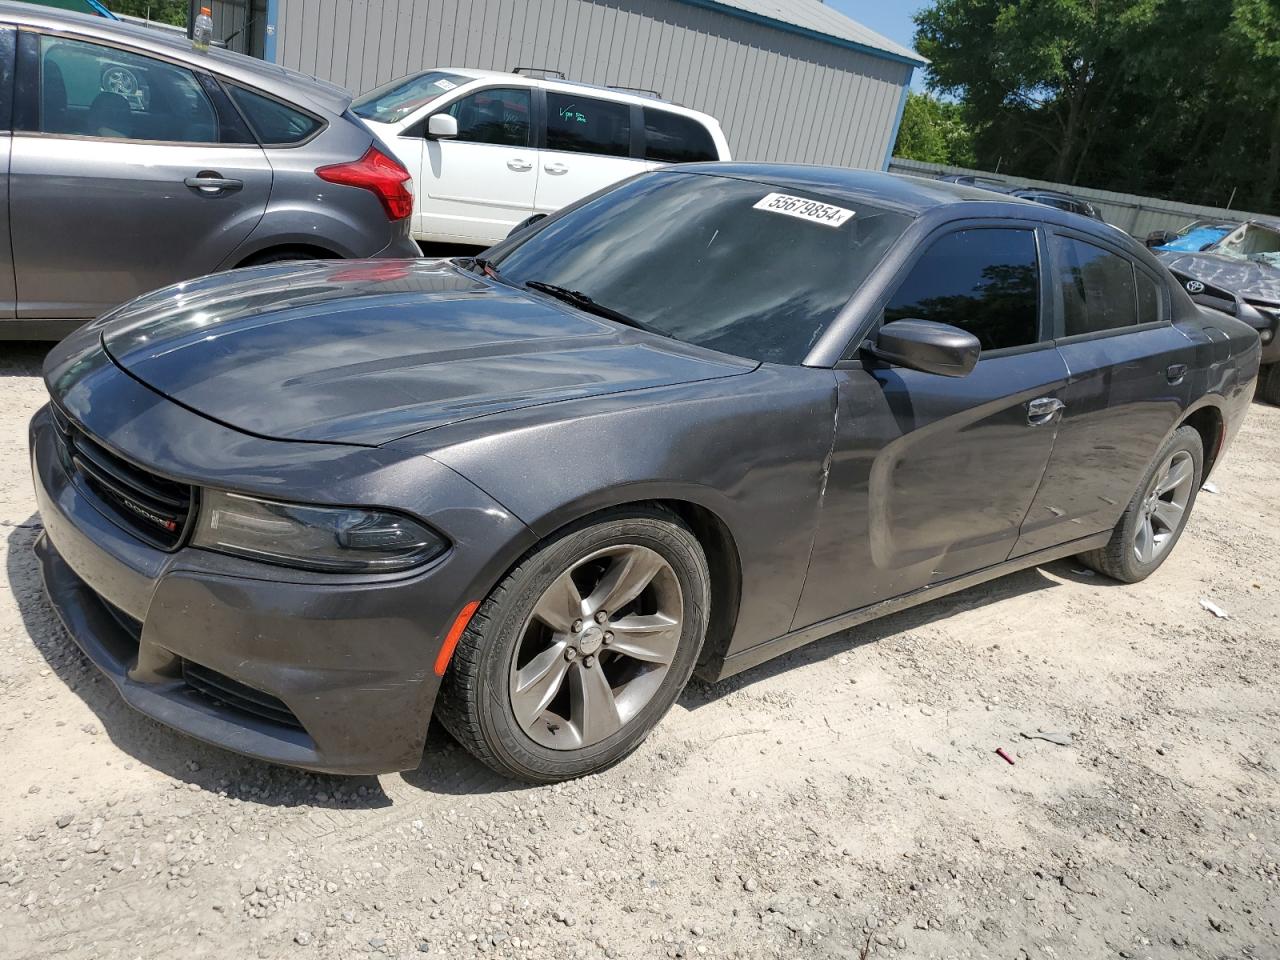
[[145, 514]]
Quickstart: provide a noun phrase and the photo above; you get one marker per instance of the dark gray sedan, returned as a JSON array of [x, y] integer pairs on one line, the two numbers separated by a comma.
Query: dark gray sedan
[[687, 424], [129, 161]]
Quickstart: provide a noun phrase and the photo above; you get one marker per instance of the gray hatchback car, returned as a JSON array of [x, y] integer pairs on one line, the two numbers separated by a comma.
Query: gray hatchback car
[[135, 162]]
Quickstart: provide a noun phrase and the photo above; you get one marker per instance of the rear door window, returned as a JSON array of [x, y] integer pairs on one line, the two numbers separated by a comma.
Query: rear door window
[[274, 123], [499, 116], [985, 281], [1098, 288], [672, 138], [588, 125], [89, 90]]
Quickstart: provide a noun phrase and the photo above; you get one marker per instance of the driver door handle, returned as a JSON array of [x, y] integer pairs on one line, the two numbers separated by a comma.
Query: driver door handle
[[556, 168], [519, 166], [1044, 410], [211, 183]]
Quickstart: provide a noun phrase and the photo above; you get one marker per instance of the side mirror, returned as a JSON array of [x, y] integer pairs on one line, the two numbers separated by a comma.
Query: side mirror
[[525, 224], [1158, 238], [928, 347], [441, 126]]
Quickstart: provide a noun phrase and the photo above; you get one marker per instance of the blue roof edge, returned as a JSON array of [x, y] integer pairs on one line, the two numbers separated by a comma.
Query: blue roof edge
[[788, 27]]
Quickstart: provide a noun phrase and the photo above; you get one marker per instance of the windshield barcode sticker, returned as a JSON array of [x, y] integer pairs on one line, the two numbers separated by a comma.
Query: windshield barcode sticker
[[803, 209]]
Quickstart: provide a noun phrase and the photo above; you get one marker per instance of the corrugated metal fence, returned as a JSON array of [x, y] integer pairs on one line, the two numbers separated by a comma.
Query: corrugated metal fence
[[779, 96], [1137, 215]]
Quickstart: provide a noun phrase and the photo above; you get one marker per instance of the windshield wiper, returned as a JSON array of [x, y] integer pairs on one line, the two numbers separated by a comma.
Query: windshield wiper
[[485, 266], [585, 302]]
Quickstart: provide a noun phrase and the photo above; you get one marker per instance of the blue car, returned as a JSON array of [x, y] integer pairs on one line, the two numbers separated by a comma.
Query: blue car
[[1194, 237]]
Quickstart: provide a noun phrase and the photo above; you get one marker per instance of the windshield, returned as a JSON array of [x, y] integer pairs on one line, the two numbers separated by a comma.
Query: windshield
[[734, 265], [399, 98], [1252, 241]]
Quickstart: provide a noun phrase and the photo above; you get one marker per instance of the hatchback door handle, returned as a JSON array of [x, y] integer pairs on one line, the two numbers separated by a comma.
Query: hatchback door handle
[[556, 168], [209, 183], [1043, 410], [1176, 372], [519, 166]]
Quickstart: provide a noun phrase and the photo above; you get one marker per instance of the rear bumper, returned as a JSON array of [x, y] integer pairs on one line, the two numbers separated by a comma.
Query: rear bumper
[[333, 674]]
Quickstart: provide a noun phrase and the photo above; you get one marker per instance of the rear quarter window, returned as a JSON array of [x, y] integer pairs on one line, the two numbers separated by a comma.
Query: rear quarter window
[[672, 138], [274, 123]]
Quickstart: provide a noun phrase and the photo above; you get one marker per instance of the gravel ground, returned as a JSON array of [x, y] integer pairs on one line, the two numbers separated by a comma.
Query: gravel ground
[[845, 801]]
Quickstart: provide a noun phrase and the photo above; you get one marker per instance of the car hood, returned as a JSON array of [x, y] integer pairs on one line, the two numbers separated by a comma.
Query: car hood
[[367, 352], [1244, 278]]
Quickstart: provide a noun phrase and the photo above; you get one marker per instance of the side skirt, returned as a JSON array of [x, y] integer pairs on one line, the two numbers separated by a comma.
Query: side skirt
[[754, 656], [23, 329]]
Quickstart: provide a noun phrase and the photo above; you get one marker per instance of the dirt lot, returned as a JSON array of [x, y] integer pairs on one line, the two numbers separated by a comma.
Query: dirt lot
[[844, 801]]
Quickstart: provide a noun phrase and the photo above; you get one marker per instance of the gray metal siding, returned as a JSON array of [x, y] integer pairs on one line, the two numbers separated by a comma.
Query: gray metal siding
[[778, 95]]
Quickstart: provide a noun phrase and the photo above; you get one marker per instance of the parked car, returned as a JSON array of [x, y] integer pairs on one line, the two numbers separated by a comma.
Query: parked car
[[1051, 198], [1240, 275], [1195, 236], [692, 422], [488, 150], [136, 161]]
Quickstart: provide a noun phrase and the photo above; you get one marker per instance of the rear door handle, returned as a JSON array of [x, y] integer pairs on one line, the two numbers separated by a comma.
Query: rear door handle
[[519, 166], [1176, 372], [556, 168], [1044, 410], [210, 183]]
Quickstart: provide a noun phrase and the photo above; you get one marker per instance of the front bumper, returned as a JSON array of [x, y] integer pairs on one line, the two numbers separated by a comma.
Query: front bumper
[[327, 673]]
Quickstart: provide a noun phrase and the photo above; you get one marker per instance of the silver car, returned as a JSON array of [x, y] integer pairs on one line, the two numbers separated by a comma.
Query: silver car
[[135, 161]]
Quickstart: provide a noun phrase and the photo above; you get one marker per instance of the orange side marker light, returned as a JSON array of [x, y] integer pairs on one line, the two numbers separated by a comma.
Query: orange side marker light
[[454, 635]]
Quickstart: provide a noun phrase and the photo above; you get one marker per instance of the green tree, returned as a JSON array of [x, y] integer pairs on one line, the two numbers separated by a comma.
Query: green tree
[[935, 131], [162, 11]]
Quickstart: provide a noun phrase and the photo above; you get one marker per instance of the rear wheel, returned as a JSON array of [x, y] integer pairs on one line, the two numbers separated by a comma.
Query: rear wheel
[[283, 255], [1157, 514], [581, 649], [1269, 384]]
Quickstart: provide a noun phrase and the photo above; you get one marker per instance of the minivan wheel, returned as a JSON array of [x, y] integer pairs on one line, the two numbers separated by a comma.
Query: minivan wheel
[[1157, 514], [581, 649]]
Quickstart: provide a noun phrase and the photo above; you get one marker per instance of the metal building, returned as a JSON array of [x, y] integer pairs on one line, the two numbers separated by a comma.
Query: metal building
[[789, 80]]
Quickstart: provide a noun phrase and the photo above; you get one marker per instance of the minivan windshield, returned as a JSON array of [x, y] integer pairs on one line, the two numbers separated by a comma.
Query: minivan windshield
[[394, 101], [744, 267]]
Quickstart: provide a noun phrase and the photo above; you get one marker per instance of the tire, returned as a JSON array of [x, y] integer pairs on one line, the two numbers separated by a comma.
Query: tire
[[500, 697], [1121, 559], [1269, 384], [280, 256]]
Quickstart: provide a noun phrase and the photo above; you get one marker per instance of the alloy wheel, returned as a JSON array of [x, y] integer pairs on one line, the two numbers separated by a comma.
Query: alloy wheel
[[1164, 507], [596, 647]]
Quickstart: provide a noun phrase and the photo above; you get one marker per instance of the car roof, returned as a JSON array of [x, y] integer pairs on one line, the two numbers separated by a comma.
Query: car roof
[[906, 193], [281, 81]]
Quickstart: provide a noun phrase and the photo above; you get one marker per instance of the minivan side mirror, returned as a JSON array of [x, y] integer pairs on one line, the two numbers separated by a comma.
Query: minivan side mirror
[[927, 346], [441, 126]]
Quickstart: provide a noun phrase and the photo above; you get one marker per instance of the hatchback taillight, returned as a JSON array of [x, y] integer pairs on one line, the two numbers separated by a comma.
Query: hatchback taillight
[[377, 172]]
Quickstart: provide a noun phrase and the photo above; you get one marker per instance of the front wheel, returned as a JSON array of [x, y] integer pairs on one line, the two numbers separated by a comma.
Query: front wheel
[[1157, 514], [581, 649]]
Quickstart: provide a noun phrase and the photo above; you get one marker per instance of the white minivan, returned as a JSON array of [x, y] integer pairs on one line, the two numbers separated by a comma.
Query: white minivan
[[488, 150]]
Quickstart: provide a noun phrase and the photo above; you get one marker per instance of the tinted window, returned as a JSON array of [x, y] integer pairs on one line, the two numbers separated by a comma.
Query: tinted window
[[401, 97], [587, 125], [695, 258], [671, 138], [93, 91], [1097, 287], [274, 122], [499, 116], [1148, 299], [7, 41], [983, 281]]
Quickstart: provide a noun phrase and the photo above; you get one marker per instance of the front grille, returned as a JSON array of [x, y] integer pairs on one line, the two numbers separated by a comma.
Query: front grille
[[153, 508], [236, 695]]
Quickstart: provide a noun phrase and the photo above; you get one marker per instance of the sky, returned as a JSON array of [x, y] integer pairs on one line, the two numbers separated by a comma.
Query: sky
[[889, 18]]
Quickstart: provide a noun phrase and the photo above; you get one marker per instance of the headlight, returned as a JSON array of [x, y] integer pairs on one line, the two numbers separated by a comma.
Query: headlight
[[338, 539]]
